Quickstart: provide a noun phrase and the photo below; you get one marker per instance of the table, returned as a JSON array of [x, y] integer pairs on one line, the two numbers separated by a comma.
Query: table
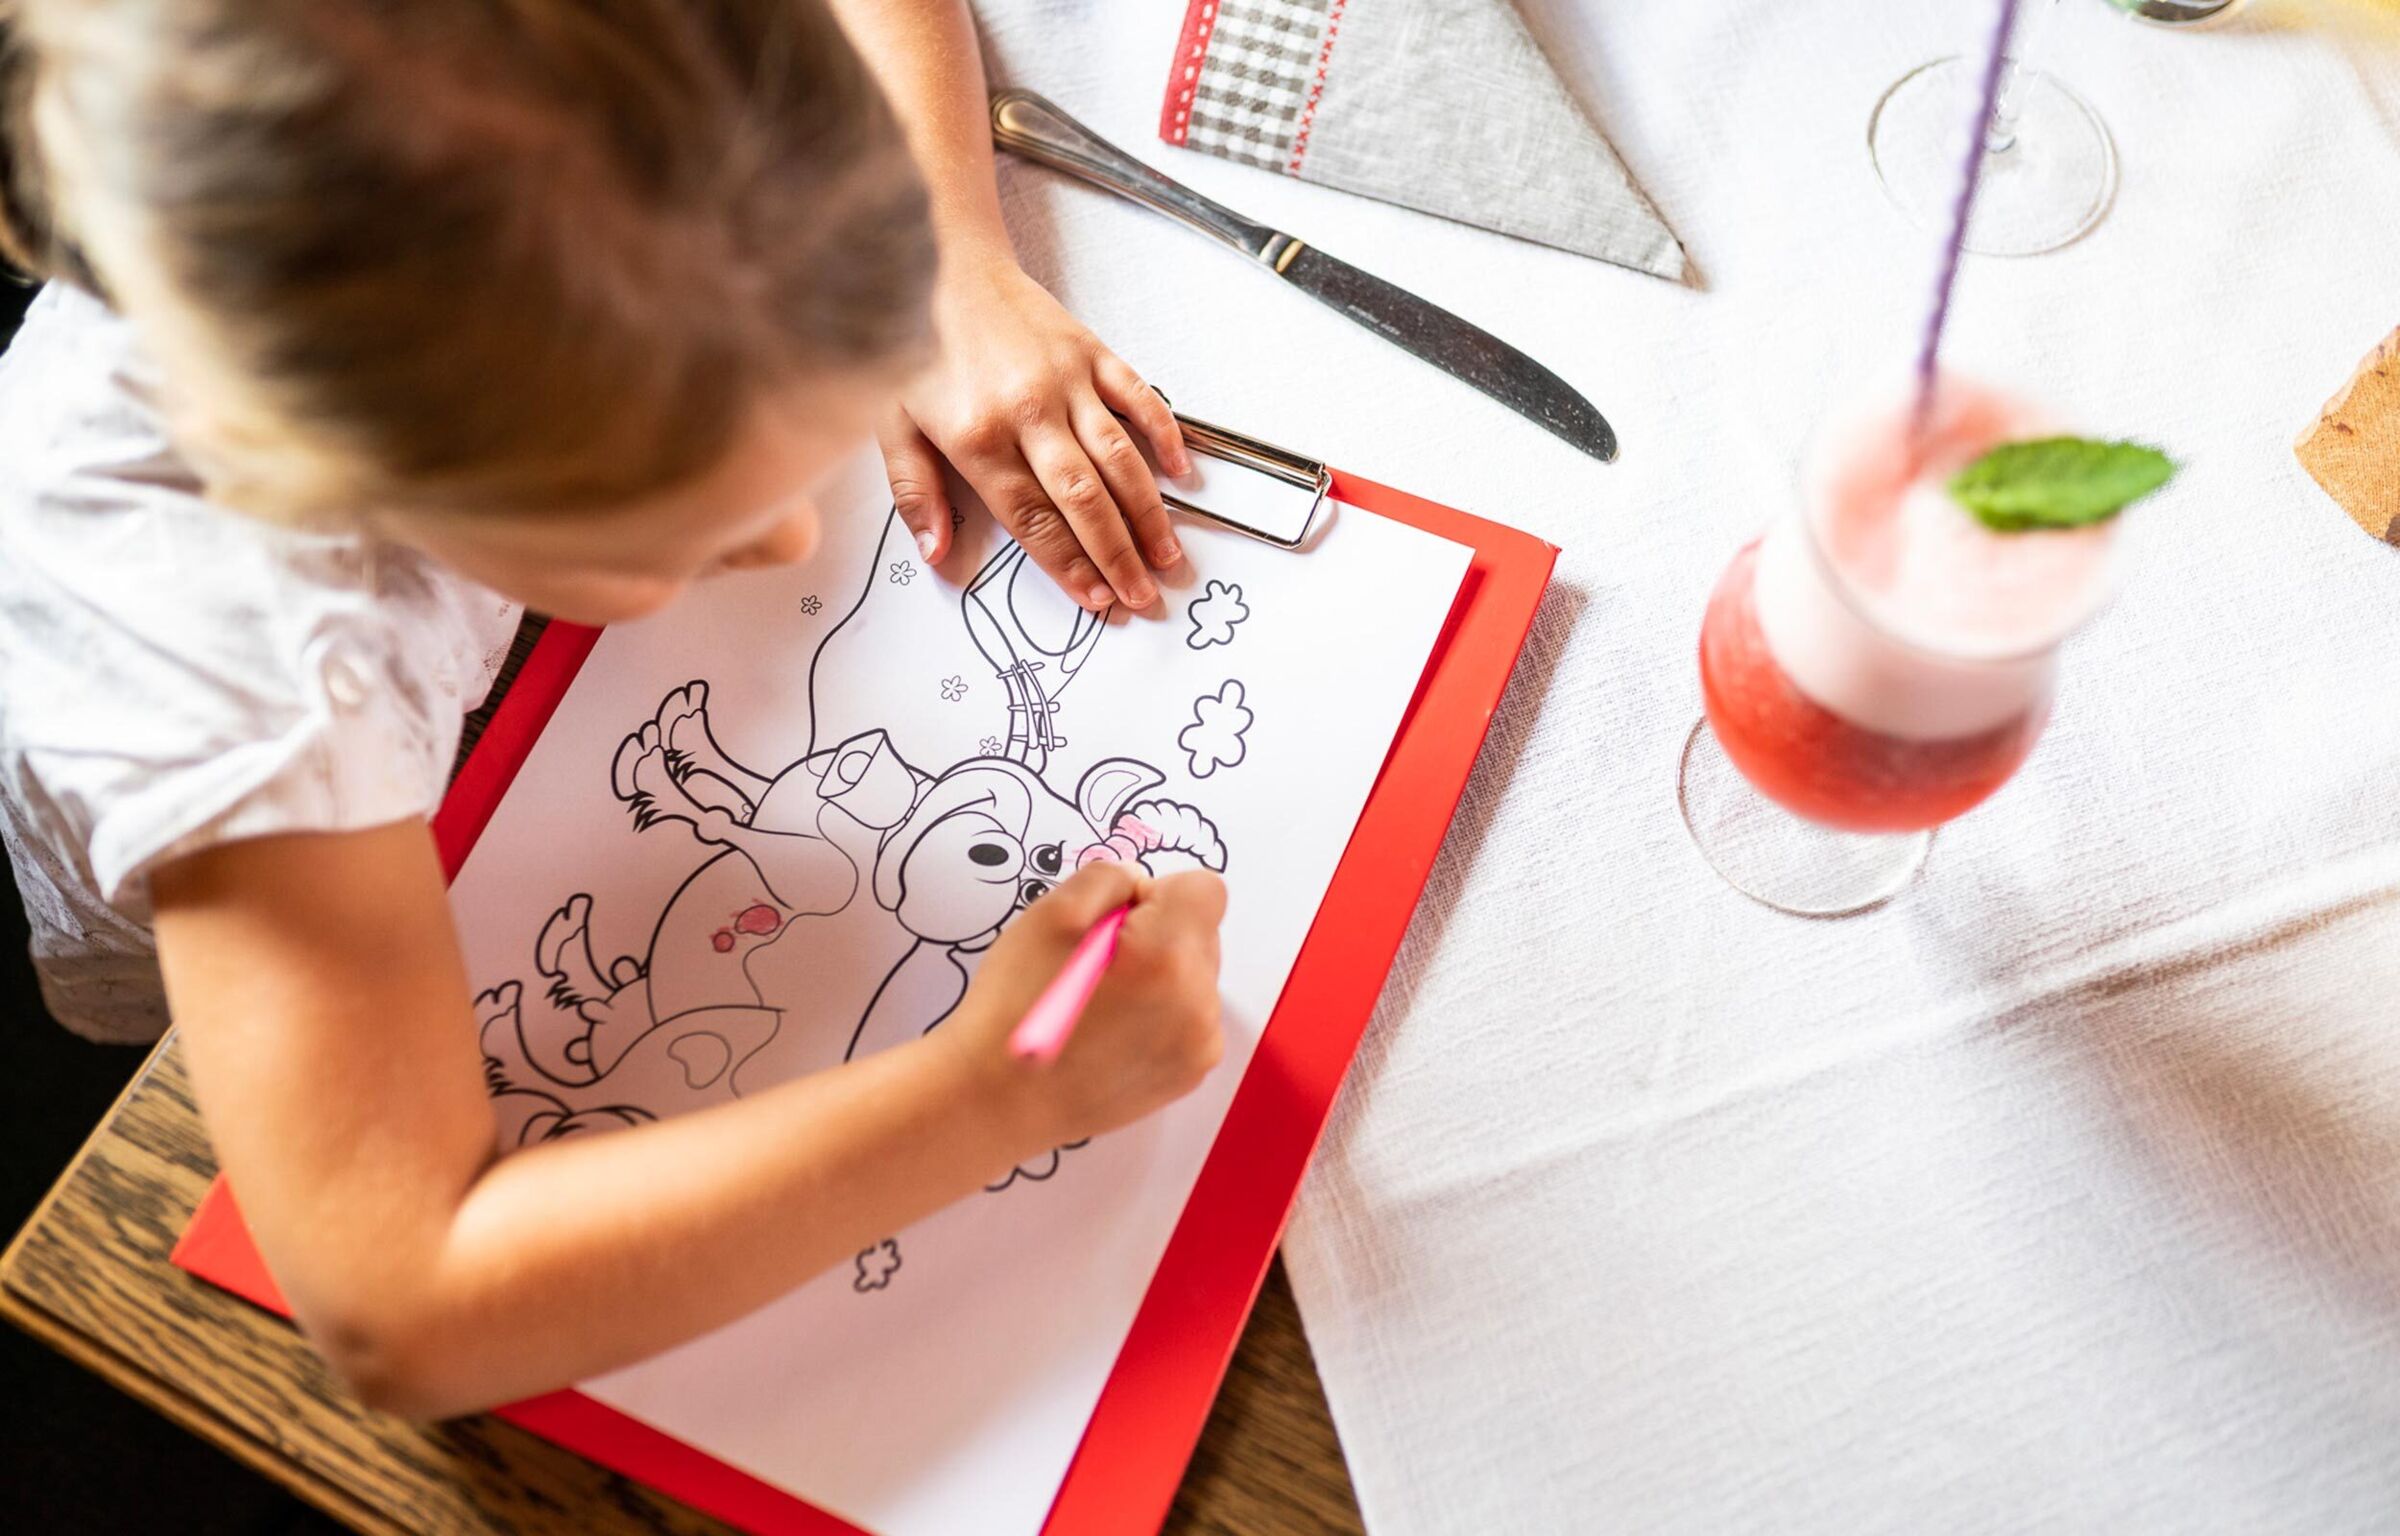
[[89, 1275], [2063, 1193]]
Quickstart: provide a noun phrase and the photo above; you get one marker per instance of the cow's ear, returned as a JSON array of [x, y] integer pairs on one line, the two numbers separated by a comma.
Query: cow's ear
[[1110, 785]]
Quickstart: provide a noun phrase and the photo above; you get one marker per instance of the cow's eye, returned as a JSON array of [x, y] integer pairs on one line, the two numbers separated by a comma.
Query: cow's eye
[[1048, 858], [1032, 891]]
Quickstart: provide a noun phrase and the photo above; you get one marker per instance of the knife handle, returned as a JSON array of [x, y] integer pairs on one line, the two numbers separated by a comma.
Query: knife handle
[[1034, 127]]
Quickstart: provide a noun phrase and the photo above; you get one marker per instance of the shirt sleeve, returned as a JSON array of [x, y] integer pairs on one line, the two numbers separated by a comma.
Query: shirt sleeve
[[339, 742], [179, 675]]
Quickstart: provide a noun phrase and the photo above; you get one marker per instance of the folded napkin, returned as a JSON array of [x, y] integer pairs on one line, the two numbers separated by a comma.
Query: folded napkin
[[1445, 106], [2353, 448]]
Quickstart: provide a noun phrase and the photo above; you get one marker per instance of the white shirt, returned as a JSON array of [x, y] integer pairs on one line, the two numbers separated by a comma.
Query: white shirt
[[174, 675]]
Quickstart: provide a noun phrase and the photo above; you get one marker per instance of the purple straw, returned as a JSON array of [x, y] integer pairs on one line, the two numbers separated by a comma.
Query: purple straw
[[1992, 66]]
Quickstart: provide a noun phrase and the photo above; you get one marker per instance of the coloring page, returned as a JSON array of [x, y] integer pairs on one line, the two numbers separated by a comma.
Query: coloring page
[[774, 829]]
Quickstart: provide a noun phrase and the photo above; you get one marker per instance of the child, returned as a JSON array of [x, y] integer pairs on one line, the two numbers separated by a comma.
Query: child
[[413, 314]]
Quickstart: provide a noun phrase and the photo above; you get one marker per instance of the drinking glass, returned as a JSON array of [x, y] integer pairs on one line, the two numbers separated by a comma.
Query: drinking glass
[[1840, 729], [2049, 169]]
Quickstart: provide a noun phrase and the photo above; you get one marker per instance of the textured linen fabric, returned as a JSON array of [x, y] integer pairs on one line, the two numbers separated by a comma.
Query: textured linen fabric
[[174, 676], [2064, 1193], [1444, 106]]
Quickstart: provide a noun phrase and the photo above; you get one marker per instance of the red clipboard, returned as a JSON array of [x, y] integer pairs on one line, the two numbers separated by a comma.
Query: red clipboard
[[1157, 1398]]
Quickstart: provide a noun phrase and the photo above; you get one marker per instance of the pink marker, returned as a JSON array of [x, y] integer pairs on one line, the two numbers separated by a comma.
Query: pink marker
[[1043, 1032]]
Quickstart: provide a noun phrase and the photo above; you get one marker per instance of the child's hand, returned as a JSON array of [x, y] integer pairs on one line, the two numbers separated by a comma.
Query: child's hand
[[1151, 1030], [1020, 398]]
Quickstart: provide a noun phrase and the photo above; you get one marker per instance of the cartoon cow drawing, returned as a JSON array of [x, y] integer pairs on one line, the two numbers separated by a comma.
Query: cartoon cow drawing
[[843, 891], [834, 913]]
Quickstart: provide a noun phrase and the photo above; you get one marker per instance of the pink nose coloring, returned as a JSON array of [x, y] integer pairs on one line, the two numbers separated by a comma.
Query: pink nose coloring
[[1126, 844]]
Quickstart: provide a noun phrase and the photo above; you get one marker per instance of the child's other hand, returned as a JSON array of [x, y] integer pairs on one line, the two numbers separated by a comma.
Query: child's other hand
[[1020, 398], [1150, 1033]]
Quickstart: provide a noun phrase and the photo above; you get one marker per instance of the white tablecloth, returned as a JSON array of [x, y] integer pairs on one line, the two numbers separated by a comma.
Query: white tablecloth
[[2065, 1192]]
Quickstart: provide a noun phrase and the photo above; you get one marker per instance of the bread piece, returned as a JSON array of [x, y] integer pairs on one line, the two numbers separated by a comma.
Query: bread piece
[[2354, 448]]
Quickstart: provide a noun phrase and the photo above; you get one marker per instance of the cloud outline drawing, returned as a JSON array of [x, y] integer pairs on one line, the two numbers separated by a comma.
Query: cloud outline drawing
[[876, 1266], [1215, 614], [1215, 738]]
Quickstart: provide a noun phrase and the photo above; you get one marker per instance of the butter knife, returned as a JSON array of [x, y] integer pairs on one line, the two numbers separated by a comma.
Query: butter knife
[[1035, 128]]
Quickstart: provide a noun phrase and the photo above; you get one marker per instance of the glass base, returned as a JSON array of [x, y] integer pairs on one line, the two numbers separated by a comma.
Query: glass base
[[2187, 15], [2053, 183], [1777, 859]]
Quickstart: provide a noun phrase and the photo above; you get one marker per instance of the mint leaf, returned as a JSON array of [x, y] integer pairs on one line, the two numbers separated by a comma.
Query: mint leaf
[[2058, 482]]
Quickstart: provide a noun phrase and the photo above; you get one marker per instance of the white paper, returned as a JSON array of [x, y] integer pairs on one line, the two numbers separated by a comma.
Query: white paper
[[939, 1384]]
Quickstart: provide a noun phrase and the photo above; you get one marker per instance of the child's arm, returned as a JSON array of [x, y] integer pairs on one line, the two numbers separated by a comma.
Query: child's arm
[[1020, 397], [318, 985]]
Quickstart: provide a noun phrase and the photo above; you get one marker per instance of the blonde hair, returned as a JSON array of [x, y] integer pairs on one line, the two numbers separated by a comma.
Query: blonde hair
[[464, 253]]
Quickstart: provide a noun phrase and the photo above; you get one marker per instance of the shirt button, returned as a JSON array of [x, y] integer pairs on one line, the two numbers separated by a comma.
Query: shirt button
[[346, 678]]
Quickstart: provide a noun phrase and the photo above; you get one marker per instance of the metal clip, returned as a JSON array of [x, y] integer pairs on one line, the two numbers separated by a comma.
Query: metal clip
[[1254, 454]]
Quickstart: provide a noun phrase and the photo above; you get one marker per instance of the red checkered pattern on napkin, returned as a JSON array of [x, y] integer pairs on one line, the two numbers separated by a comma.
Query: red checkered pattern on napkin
[[1249, 76]]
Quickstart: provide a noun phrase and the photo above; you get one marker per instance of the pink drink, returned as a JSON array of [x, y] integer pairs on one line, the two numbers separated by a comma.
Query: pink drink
[[1880, 661]]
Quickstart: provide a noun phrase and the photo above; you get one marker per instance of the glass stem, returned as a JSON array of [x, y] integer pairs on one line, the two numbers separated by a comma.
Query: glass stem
[[2000, 134]]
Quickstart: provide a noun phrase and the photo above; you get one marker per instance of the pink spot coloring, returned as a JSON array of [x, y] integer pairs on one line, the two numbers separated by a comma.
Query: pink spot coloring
[[759, 919], [721, 940]]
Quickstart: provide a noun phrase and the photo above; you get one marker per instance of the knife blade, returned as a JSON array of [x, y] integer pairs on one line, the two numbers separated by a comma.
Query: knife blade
[[1034, 127], [1465, 352]]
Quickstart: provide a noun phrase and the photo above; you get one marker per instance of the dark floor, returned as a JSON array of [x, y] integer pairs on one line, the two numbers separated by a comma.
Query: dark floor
[[76, 1455]]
